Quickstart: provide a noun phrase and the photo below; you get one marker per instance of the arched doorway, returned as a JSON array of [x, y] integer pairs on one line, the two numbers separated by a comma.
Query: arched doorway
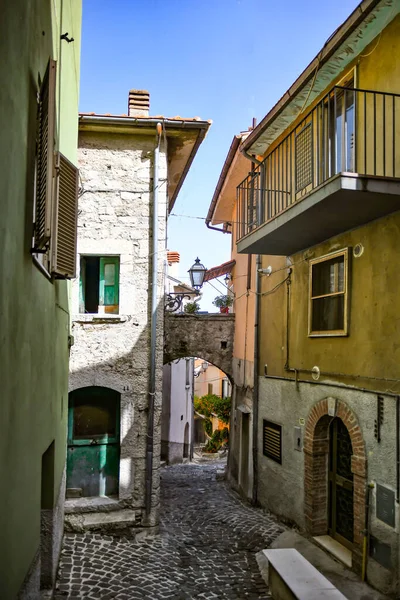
[[340, 477], [93, 442], [335, 474]]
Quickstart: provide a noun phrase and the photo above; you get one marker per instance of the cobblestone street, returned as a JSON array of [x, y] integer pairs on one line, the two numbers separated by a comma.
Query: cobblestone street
[[206, 547]]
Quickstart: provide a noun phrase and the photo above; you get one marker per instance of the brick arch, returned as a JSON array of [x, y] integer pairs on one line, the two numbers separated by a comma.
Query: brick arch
[[316, 449]]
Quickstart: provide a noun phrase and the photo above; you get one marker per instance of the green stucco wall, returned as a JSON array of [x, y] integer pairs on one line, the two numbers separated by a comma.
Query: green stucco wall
[[34, 311]]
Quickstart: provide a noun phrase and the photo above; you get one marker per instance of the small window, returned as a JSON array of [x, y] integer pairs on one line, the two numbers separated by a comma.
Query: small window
[[328, 313], [99, 285], [210, 388], [272, 441]]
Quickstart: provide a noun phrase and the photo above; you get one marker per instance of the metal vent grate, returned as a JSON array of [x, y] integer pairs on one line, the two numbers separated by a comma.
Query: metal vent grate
[[272, 441], [304, 158]]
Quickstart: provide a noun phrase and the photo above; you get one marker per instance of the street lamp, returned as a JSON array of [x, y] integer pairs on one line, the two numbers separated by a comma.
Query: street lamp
[[197, 273]]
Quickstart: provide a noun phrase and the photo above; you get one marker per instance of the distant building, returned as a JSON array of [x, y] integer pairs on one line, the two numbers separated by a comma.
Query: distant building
[[177, 394]]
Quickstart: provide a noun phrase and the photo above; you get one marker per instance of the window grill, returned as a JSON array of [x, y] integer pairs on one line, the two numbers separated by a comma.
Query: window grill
[[304, 175]]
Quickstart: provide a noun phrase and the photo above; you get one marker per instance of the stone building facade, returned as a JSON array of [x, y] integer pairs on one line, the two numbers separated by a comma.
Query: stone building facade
[[110, 389]]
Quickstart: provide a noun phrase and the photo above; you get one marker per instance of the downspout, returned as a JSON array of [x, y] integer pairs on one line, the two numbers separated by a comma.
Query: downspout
[[255, 386], [153, 328], [397, 449], [256, 345], [255, 160]]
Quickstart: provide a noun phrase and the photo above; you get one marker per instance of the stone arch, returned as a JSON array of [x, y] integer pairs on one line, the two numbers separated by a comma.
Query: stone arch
[[85, 380], [207, 357], [209, 336], [316, 449]]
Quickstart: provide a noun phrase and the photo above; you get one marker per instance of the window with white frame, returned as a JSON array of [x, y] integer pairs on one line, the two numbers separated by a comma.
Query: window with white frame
[[328, 302]]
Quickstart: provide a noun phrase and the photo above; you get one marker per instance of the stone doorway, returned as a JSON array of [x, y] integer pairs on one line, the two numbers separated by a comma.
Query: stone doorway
[[317, 474]]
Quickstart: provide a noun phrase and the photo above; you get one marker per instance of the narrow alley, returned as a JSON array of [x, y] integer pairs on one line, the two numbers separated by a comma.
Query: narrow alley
[[206, 548]]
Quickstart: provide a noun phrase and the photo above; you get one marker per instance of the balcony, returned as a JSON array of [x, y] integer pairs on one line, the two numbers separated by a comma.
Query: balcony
[[338, 169]]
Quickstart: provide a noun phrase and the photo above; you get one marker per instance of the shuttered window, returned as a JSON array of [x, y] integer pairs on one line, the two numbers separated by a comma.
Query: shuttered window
[[65, 219], [272, 441], [44, 158]]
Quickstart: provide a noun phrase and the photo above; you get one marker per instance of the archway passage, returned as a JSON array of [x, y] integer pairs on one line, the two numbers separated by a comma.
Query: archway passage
[[93, 442], [335, 475], [207, 335]]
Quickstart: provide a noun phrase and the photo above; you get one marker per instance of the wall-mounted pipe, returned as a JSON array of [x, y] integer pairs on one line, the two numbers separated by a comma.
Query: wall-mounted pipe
[[153, 326], [256, 386], [397, 449]]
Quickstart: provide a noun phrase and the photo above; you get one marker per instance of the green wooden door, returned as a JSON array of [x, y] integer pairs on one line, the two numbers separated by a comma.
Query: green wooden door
[[93, 441]]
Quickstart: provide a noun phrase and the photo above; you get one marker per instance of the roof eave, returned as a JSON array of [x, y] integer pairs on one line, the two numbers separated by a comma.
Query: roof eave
[[148, 125], [330, 46], [225, 169]]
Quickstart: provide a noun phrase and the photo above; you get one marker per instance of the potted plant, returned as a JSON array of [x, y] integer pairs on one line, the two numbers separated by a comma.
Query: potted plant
[[192, 307], [223, 303]]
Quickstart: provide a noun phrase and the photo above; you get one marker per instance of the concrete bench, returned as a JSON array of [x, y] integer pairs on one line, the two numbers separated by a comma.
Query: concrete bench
[[292, 577]]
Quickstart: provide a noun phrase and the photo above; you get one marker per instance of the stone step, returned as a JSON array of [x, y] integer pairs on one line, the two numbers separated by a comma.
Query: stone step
[[292, 577], [115, 520]]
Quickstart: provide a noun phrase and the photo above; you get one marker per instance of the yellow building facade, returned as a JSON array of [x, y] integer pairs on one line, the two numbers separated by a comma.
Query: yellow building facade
[[320, 208]]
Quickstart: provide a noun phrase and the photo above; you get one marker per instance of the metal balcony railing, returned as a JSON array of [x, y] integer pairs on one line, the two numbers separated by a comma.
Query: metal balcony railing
[[348, 131]]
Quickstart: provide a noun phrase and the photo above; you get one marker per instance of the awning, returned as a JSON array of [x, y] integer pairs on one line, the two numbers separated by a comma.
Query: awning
[[223, 269]]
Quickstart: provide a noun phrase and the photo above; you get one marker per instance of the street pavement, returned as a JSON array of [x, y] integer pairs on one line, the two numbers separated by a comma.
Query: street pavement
[[206, 548]]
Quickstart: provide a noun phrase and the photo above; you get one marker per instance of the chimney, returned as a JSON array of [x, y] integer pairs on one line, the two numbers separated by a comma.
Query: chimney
[[138, 103], [172, 257]]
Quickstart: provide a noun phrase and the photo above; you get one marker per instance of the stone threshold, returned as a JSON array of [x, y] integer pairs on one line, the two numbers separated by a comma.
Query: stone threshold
[[335, 548], [92, 504]]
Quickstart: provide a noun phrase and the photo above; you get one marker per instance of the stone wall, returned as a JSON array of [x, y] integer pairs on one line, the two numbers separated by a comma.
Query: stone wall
[[208, 336], [114, 350]]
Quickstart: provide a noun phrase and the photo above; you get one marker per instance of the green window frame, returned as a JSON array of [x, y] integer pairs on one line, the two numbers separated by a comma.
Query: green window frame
[[99, 284], [109, 283]]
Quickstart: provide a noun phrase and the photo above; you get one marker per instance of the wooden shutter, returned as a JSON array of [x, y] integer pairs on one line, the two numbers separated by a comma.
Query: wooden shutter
[[109, 284], [45, 157], [272, 441], [65, 219]]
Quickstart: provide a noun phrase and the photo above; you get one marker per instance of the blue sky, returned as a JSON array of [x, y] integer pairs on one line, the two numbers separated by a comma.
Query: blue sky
[[224, 60]]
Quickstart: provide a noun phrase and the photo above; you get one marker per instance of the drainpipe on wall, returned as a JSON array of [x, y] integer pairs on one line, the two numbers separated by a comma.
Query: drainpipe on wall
[[256, 387], [254, 161], [153, 329]]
